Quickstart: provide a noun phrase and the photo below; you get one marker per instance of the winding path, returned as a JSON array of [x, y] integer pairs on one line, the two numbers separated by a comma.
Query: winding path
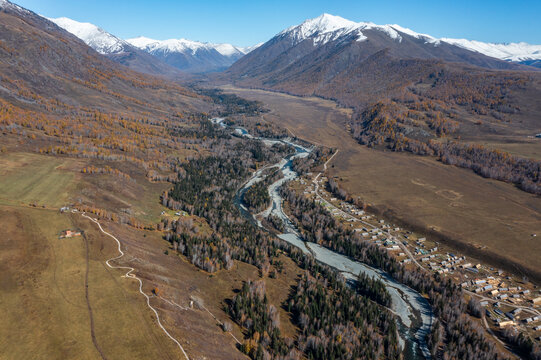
[[133, 276]]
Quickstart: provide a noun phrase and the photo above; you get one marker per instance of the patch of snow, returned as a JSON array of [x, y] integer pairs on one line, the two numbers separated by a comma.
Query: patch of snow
[[249, 49], [427, 38], [5, 4]]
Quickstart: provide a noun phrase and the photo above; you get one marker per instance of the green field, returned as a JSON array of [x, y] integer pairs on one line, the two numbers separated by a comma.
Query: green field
[[32, 178]]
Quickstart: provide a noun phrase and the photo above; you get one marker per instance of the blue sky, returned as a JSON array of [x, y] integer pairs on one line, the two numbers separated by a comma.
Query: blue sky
[[246, 22]]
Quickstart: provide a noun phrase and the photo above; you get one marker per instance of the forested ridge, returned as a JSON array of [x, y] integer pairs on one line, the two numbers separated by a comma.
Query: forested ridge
[[422, 119]]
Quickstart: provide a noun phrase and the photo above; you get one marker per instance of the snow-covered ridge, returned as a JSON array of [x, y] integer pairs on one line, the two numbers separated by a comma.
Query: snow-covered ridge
[[328, 27], [185, 46], [95, 37], [106, 43], [5, 4], [513, 51]]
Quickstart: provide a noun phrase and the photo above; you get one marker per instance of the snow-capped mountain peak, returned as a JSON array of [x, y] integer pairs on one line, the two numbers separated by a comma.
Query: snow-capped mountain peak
[[141, 41], [321, 29], [324, 23], [326, 28], [95, 37], [228, 49]]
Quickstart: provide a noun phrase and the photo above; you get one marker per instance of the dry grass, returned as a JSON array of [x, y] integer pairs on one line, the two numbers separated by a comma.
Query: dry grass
[[43, 295], [179, 281], [461, 208], [27, 178]]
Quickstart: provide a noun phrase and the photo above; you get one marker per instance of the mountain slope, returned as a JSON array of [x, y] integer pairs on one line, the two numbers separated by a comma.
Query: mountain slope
[[191, 56], [41, 60], [116, 49], [337, 58], [410, 92]]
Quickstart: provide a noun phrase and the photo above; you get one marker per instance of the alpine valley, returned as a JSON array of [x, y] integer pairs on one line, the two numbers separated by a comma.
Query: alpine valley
[[343, 190]]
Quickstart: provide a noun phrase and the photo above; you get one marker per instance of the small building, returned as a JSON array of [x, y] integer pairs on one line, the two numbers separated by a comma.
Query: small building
[[69, 233], [510, 315], [516, 311], [504, 324]]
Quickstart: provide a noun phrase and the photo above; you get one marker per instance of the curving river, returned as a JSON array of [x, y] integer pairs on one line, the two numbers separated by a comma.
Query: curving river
[[412, 310]]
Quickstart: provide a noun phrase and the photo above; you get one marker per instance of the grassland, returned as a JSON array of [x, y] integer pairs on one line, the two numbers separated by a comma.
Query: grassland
[[487, 219], [59, 298], [47, 312], [42, 180], [31, 178], [180, 281]]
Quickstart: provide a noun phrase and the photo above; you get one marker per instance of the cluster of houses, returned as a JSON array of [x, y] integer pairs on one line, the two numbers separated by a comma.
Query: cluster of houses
[[447, 264], [511, 317], [503, 296]]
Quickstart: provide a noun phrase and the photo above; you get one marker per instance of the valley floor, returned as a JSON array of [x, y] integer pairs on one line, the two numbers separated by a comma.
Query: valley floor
[[487, 219]]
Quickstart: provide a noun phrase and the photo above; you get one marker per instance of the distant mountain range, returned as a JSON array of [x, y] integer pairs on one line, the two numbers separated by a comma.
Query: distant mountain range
[[167, 55], [192, 56]]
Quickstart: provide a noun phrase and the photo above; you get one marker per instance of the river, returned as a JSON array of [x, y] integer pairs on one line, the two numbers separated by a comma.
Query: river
[[412, 310]]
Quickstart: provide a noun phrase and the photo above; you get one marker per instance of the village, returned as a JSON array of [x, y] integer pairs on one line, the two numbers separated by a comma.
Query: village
[[509, 302]]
